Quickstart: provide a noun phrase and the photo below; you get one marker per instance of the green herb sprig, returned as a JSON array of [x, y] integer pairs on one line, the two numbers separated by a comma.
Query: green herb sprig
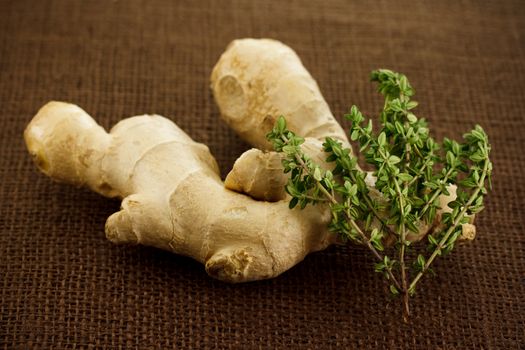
[[411, 171]]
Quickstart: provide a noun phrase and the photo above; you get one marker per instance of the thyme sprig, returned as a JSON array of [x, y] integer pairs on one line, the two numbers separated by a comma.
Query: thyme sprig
[[411, 171]]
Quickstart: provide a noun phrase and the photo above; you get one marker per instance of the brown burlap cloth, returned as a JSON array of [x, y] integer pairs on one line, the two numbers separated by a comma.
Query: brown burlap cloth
[[63, 285]]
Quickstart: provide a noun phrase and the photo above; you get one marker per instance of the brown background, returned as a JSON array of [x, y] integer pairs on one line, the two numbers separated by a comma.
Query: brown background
[[63, 285]]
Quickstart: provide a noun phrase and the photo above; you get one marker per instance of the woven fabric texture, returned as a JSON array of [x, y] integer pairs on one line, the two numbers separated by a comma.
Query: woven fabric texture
[[64, 286]]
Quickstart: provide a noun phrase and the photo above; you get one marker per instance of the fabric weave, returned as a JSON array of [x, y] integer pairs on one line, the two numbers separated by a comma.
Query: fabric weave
[[64, 286]]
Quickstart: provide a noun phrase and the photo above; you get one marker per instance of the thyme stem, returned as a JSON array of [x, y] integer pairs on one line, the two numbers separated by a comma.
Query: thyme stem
[[452, 227], [402, 228]]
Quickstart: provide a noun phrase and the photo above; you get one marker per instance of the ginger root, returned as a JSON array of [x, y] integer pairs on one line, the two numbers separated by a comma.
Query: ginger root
[[254, 82], [173, 196], [166, 181], [257, 80]]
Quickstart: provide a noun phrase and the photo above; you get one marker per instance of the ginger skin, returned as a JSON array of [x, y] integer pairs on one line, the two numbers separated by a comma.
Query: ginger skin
[[254, 82], [166, 180], [257, 80]]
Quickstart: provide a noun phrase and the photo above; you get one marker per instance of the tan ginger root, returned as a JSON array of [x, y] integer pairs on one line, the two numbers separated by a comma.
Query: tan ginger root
[[167, 181], [173, 197], [257, 80], [254, 82]]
